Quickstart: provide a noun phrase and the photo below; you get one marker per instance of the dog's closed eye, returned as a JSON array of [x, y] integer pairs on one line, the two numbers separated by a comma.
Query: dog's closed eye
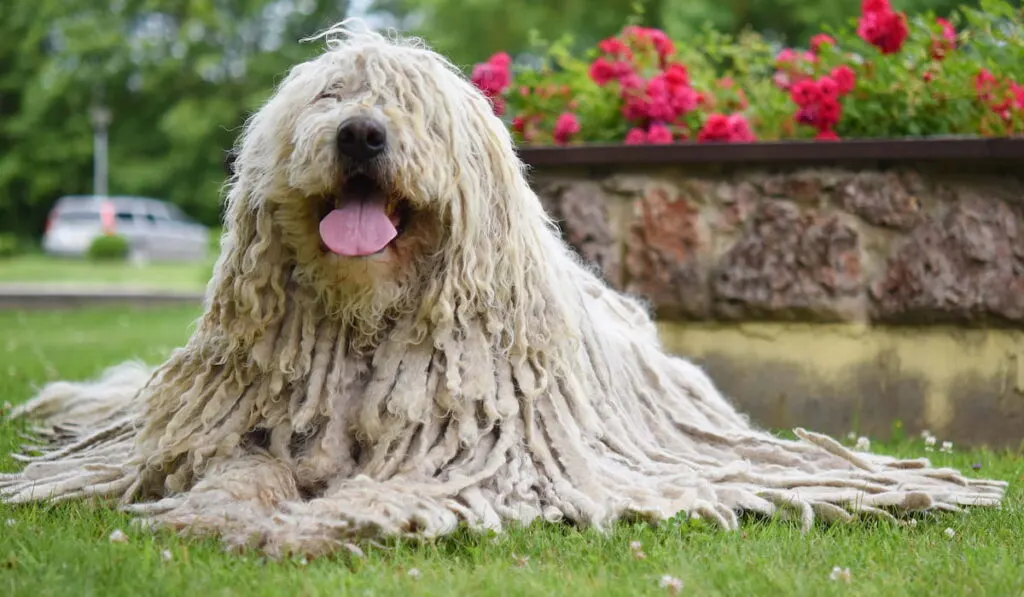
[[326, 95]]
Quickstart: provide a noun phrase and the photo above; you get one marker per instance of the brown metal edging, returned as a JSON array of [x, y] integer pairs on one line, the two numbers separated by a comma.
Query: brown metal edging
[[929, 149]]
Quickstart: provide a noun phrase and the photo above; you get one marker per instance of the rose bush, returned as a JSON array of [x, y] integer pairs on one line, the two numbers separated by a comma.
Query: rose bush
[[886, 74]]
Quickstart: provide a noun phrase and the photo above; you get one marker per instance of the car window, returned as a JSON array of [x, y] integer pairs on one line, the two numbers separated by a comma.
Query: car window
[[177, 215], [78, 216], [158, 219]]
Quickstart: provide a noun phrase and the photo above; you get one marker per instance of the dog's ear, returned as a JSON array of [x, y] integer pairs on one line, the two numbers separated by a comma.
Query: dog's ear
[[499, 242]]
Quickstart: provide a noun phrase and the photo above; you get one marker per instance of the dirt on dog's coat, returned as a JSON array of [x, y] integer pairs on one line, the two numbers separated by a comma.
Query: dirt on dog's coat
[[471, 370]]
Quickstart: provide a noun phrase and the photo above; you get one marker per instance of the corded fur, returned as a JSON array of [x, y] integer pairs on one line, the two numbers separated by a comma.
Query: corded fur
[[483, 375]]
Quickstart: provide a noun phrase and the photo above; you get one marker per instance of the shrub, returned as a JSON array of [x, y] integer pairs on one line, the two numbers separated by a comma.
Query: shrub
[[109, 247], [884, 75], [214, 238], [9, 245]]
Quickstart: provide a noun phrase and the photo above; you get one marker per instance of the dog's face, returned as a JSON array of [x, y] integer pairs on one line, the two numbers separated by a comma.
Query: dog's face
[[358, 158]]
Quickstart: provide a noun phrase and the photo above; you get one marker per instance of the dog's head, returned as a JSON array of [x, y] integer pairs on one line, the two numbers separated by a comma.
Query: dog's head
[[382, 175]]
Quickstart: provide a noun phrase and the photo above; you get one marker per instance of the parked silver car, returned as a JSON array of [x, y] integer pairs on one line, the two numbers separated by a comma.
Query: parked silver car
[[156, 230]]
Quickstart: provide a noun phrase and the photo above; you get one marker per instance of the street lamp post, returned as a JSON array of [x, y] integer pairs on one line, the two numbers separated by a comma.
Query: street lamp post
[[101, 117]]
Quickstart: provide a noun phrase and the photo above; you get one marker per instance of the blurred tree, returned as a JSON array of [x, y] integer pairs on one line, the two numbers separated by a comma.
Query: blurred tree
[[468, 31], [789, 21], [179, 77], [471, 30]]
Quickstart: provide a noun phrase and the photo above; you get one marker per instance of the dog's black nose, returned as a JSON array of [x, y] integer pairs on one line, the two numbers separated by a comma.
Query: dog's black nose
[[361, 138]]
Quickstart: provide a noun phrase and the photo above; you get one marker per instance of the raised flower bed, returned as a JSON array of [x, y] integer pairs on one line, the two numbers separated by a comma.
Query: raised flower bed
[[836, 233], [888, 75]]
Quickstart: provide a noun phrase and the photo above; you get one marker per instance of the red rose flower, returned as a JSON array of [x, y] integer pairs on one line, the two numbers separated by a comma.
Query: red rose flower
[[984, 84], [948, 31], [659, 134], [716, 128], [940, 47], [845, 78], [805, 93], [684, 100], [1017, 91], [820, 40], [867, 6], [719, 127], [676, 75], [635, 108], [788, 58], [829, 112], [616, 48], [493, 77], [601, 71], [663, 46], [739, 129], [885, 29], [636, 136], [501, 59], [631, 81], [828, 88], [566, 126]]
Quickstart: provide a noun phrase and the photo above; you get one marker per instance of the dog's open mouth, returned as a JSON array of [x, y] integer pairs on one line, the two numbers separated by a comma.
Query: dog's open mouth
[[363, 218]]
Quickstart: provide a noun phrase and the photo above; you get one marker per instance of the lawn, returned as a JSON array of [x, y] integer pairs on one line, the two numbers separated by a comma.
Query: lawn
[[65, 550], [43, 269]]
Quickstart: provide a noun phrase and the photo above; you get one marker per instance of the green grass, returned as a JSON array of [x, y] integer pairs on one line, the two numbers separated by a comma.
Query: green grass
[[43, 269], [64, 550]]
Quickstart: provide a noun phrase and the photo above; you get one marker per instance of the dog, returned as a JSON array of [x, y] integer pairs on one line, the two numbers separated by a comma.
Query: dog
[[396, 341]]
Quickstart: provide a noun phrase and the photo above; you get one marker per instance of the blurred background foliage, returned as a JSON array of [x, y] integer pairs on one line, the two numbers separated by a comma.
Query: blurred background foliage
[[468, 30], [180, 76]]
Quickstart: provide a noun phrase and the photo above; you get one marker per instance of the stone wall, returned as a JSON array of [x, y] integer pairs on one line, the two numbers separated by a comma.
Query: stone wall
[[929, 247]]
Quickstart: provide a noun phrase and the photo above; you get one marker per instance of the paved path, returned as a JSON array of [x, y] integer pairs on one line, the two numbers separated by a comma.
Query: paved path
[[53, 296]]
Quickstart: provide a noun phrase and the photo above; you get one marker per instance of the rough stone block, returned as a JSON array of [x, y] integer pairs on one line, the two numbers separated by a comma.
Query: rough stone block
[[581, 209], [805, 186], [664, 253], [882, 199], [789, 264], [964, 265], [735, 203]]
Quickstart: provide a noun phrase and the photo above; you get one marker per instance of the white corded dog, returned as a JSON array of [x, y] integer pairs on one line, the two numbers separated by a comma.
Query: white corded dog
[[395, 340]]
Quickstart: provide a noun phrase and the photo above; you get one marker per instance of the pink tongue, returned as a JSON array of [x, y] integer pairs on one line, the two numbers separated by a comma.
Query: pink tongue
[[358, 229]]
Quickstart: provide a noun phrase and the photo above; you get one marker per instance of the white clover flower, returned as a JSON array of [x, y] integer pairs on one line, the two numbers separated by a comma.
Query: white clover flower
[[671, 583], [840, 574], [947, 447], [863, 444], [950, 532], [118, 536], [414, 572]]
